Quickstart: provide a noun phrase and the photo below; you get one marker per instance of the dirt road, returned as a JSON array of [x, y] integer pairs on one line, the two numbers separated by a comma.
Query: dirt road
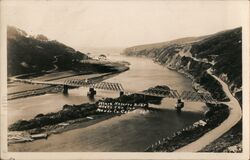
[[234, 117]]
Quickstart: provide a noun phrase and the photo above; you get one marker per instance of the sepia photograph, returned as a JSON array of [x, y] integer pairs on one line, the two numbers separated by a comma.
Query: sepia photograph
[[124, 79]]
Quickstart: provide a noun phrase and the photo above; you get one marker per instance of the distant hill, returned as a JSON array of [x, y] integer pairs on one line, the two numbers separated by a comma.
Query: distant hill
[[221, 51], [162, 44], [27, 54]]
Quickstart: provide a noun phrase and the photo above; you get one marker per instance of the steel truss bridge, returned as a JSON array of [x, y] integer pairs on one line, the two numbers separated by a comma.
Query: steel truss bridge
[[156, 92]]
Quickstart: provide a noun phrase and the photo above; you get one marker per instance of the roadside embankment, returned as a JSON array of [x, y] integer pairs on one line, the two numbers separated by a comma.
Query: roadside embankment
[[228, 142], [216, 115]]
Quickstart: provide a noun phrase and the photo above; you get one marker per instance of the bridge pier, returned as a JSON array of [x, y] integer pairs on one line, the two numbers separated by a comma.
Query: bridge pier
[[179, 105], [121, 93], [91, 92], [146, 106], [65, 89]]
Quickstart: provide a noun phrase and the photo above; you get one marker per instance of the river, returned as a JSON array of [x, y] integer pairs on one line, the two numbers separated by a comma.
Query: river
[[130, 132]]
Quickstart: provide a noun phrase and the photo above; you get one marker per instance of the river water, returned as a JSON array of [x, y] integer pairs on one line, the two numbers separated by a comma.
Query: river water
[[130, 132]]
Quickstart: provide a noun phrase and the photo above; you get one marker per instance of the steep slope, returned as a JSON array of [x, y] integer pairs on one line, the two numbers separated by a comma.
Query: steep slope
[[27, 54], [193, 56], [214, 63], [233, 118]]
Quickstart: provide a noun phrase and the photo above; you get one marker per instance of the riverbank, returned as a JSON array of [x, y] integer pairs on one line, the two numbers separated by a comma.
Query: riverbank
[[228, 142], [216, 115], [235, 117], [52, 127], [198, 142], [78, 116]]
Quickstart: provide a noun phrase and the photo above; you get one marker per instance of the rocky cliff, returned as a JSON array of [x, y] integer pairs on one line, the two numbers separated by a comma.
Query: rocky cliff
[[220, 52]]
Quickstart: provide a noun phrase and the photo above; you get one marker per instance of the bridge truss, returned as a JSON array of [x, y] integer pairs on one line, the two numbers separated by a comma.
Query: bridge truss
[[185, 95]]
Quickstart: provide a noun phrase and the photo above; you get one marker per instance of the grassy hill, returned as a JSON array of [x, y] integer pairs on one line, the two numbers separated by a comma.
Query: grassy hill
[[28, 54]]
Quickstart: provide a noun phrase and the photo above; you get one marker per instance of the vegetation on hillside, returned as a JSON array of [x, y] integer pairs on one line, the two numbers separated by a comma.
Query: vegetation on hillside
[[221, 51], [28, 54], [225, 49]]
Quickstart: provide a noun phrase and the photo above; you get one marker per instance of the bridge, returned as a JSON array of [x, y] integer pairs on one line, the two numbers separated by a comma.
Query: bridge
[[156, 92], [185, 95]]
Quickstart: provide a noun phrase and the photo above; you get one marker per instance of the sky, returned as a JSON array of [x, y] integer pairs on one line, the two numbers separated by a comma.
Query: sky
[[100, 24]]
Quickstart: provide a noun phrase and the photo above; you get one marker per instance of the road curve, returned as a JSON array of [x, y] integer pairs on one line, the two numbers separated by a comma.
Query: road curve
[[234, 116]]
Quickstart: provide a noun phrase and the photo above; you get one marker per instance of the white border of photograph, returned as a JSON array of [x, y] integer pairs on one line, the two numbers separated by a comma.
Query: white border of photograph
[[125, 155]]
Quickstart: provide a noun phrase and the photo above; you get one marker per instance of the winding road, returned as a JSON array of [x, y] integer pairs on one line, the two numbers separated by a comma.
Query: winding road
[[54, 64], [234, 116]]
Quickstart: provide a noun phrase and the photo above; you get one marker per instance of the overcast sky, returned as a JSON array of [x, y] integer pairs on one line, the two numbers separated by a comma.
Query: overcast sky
[[122, 23]]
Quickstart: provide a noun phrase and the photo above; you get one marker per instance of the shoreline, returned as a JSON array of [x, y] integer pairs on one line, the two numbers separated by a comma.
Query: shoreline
[[57, 128], [77, 116], [192, 132], [194, 146]]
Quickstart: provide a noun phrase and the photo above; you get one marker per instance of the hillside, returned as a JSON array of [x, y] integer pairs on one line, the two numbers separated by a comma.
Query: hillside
[[28, 54], [193, 56], [163, 44]]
